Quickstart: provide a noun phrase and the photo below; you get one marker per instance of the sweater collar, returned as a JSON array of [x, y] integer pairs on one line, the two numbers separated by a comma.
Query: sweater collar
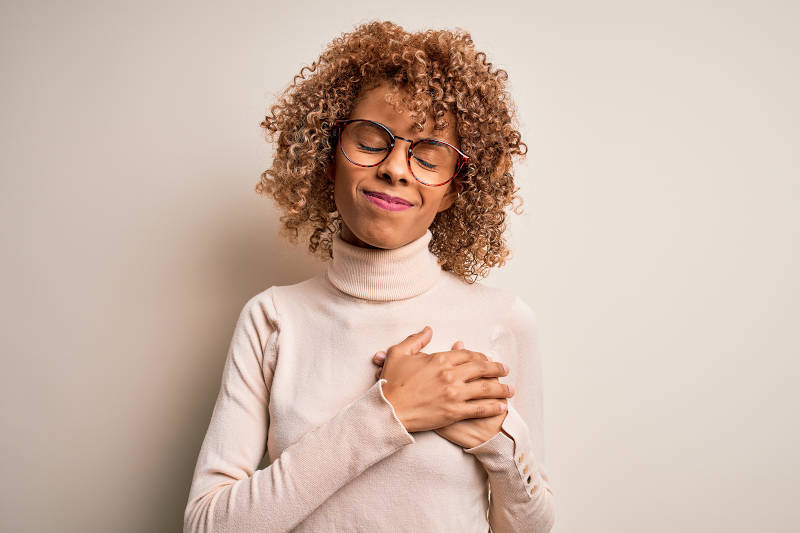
[[383, 274]]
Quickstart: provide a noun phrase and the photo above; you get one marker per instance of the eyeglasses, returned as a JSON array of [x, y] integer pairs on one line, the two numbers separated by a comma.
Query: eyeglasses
[[366, 143]]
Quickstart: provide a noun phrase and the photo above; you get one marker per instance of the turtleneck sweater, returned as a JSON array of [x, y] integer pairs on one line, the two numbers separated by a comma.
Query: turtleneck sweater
[[299, 391]]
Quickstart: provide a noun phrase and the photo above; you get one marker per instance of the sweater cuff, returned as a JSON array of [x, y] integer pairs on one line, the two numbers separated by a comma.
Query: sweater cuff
[[512, 456], [394, 429]]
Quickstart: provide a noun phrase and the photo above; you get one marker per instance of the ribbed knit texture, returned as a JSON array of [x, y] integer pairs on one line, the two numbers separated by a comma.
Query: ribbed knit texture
[[383, 275], [299, 391]]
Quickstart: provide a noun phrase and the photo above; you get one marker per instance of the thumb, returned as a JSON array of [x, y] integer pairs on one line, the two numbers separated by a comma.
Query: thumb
[[379, 357], [414, 342]]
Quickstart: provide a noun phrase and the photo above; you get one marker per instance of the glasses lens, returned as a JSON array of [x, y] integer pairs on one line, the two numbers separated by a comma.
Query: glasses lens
[[433, 163], [365, 143]]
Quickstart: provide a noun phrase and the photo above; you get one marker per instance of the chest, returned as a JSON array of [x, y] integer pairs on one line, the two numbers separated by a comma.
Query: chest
[[324, 361]]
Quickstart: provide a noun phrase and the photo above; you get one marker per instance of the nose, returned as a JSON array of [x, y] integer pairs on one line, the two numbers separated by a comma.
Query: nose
[[395, 167]]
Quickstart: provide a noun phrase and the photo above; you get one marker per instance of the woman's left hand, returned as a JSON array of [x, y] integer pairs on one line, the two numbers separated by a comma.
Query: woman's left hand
[[466, 433]]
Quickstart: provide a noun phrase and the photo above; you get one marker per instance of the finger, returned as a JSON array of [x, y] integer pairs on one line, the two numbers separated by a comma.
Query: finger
[[483, 408], [379, 357], [459, 345], [413, 343], [462, 356], [483, 369], [489, 388]]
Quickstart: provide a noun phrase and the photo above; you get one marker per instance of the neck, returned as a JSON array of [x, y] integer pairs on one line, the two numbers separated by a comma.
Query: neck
[[382, 275]]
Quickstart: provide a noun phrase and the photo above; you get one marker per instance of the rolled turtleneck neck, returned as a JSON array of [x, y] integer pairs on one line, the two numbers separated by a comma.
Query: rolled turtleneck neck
[[380, 274]]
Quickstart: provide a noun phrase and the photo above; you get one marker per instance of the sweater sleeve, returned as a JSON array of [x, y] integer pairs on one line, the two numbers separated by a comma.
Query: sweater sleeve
[[227, 493], [521, 498]]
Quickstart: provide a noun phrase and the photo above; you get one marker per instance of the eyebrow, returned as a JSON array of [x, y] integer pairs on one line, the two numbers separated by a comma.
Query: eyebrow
[[393, 133]]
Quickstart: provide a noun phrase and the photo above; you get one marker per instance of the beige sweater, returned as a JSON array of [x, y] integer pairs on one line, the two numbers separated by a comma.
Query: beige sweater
[[299, 385]]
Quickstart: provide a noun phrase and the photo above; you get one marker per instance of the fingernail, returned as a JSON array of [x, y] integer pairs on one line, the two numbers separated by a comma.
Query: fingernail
[[380, 356], [511, 389], [506, 367], [503, 406]]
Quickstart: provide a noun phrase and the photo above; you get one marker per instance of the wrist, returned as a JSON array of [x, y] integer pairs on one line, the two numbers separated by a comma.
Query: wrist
[[478, 439]]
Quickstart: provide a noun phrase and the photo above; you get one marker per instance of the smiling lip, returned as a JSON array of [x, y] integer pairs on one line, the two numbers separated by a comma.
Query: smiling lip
[[381, 201]]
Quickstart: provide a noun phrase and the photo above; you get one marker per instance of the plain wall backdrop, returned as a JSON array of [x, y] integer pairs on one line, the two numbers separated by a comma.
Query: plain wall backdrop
[[658, 245]]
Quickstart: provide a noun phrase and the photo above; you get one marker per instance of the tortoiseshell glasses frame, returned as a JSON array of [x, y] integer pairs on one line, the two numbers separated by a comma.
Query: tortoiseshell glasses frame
[[463, 158]]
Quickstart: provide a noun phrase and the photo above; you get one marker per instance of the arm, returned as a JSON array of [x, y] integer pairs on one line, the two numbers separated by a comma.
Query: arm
[[228, 493], [521, 498]]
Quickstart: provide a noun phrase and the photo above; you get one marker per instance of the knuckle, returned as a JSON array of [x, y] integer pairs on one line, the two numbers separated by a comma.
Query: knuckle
[[448, 376], [450, 393]]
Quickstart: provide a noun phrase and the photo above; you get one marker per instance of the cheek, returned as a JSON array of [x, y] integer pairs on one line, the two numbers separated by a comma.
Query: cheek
[[341, 193], [341, 179], [345, 191], [432, 200]]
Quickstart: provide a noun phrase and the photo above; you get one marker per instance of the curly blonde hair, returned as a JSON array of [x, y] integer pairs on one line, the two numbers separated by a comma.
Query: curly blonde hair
[[442, 72]]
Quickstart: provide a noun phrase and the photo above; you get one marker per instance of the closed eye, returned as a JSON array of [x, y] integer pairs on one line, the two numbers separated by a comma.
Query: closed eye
[[370, 148], [424, 163]]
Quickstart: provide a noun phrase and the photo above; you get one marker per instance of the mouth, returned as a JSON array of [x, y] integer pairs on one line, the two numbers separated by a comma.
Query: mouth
[[386, 202]]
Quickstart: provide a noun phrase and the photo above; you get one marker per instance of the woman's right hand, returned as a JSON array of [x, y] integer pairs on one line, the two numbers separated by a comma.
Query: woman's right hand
[[429, 391]]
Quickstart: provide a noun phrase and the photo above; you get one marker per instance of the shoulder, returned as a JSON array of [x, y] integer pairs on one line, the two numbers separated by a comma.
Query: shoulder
[[258, 326], [521, 312], [263, 300], [270, 302], [521, 321], [259, 312], [505, 307], [504, 303]]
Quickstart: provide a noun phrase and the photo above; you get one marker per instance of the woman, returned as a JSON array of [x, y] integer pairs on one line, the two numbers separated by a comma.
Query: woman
[[394, 156]]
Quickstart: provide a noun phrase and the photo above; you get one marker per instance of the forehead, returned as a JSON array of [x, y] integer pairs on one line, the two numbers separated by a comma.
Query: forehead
[[378, 104]]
